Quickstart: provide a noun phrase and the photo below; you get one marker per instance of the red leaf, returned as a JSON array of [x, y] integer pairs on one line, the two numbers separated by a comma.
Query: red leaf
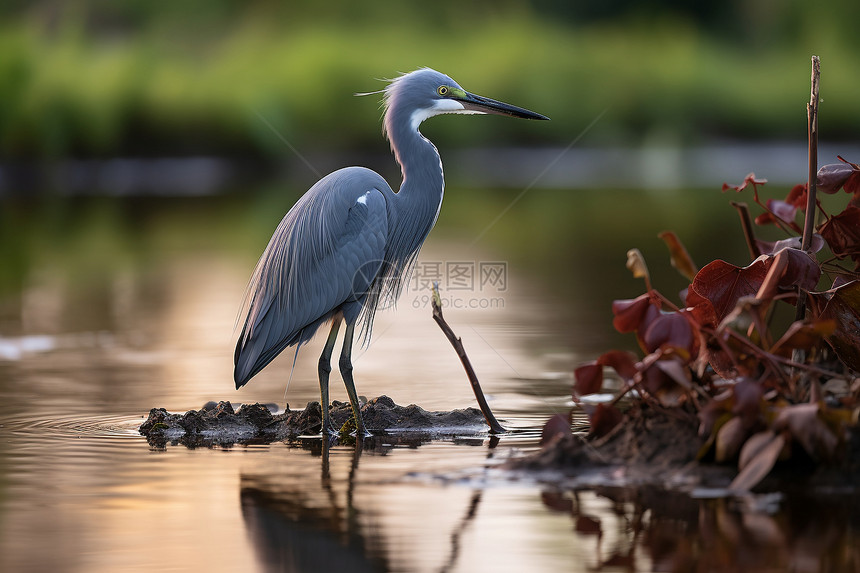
[[748, 180], [832, 177], [797, 196], [753, 446], [603, 419], [676, 371], [773, 247], [758, 456], [808, 428], [787, 209], [679, 257], [654, 379], [558, 425], [765, 219], [783, 210], [651, 314], [670, 330], [730, 437], [803, 335], [624, 363], [845, 175], [801, 270], [789, 269], [666, 380], [841, 304], [718, 286], [842, 233], [713, 411], [748, 401], [589, 379], [853, 183], [630, 313], [700, 308]]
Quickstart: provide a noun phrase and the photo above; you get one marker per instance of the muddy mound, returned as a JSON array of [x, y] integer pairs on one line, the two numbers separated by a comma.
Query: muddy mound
[[655, 448], [221, 424], [649, 439]]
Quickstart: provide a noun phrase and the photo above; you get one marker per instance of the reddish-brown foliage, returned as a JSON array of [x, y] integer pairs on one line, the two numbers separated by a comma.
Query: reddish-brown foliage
[[678, 255], [630, 315], [589, 379], [719, 285], [554, 428], [717, 356], [603, 419], [842, 306], [842, 233], [845, 175]]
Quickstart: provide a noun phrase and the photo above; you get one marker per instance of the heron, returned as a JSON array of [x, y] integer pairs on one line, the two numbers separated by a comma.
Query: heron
[[348, 244]]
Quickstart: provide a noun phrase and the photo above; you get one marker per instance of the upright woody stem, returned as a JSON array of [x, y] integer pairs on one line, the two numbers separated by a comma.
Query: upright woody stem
[[809, 222]]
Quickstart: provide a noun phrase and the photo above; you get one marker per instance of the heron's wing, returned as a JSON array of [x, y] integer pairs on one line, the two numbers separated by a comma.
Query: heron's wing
[[326, 252]]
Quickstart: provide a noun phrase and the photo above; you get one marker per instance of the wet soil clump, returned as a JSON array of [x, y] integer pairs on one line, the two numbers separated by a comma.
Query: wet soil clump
[[222, 425], [652, 447]]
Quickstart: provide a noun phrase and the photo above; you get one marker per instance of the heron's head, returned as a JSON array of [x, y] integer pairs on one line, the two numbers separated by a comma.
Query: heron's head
[[421, 94]]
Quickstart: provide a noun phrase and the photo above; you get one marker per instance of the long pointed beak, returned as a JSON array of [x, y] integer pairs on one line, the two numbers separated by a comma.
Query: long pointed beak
[[483, 104]]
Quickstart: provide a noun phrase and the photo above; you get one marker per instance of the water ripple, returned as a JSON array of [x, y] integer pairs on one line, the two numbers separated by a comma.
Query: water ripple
[[75, 426]]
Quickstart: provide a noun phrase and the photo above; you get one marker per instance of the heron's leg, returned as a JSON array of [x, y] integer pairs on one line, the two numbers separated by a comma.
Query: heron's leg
[[346, 371], [324, 371]]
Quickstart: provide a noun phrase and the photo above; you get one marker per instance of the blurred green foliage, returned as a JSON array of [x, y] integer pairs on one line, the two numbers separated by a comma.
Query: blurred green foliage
[[107, 78], [89, 247]]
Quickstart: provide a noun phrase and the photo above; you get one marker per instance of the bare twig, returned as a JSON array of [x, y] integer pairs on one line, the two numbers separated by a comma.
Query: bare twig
[[812, 116], [746, 225], [811, 187], [812, 175], [495, 426]]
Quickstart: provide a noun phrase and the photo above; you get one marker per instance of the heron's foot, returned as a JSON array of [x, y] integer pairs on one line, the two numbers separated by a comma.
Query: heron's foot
[[328, 430], [358, 424], [352, 430], [360, 428], [361, 433]]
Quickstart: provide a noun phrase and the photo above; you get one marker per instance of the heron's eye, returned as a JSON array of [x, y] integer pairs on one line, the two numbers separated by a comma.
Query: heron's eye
[[442, 91]]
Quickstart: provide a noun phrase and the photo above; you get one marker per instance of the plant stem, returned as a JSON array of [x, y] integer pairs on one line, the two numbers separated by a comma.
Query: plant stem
[[495, 426], [809, 222], [746, 225]]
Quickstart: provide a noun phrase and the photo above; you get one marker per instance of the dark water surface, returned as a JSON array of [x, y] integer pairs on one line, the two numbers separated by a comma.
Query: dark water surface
[[109, 307]]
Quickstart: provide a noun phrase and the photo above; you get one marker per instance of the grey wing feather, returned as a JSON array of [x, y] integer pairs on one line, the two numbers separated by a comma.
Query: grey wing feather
[[323, 257]]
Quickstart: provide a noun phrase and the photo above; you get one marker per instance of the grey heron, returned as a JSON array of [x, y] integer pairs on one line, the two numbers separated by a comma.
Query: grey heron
[[349, 242]]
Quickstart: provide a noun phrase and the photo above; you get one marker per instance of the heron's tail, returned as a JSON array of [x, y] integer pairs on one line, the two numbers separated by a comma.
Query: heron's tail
[[248, 360], [243, 363], [255, 352]]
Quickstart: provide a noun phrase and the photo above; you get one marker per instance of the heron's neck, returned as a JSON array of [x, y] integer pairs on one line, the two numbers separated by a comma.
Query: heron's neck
[[420, 196]]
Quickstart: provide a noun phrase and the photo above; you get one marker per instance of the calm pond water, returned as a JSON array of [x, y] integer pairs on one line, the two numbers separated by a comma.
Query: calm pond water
[[109, 307]]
